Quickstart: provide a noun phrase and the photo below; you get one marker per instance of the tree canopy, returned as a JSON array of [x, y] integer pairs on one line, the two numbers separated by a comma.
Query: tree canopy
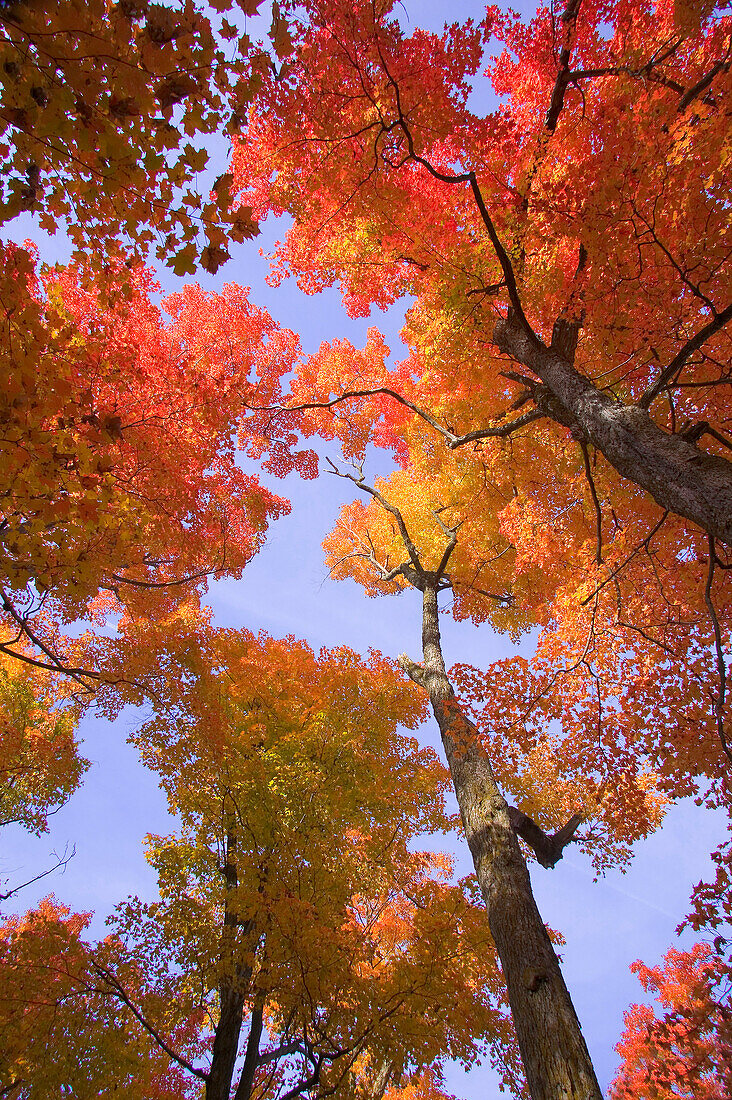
[[547, 197]]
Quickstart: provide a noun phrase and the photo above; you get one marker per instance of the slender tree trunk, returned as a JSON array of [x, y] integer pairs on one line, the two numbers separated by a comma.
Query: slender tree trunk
[[554, 1053], [233, 984], [679, 476], [251, 1059]]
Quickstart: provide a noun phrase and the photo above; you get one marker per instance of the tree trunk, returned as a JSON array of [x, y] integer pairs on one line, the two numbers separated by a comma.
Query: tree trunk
[[553, 1050], [226, 1043], [251, 1059], [679, 476], [233, 984]]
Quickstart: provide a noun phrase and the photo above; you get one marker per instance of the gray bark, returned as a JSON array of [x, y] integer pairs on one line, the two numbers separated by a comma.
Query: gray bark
[[679, 476], [555, 1056]]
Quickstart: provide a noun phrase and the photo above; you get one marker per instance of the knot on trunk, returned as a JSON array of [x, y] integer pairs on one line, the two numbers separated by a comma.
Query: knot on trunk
[[506, 332], [510, 338], [564, 338], [534, 977]]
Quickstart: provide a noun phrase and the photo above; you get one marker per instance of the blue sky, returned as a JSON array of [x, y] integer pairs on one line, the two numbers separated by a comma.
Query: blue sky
[[286, 590]]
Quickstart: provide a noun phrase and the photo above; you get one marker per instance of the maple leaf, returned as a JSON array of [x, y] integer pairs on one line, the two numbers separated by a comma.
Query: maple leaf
[[82, 91], [212, 257]]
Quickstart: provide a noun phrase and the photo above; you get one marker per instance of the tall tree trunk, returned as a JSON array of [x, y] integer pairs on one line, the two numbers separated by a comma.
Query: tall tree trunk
[[679, 476], [553, 1050]]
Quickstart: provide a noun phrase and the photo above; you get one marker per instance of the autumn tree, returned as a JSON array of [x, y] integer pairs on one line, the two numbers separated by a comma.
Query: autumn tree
[[553, 1050], [566, 257], [363, 162], [110, 423], [300, 943]]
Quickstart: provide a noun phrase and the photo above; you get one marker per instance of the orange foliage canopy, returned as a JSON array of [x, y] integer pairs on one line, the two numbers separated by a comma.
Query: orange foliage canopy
[[291, 888], [53, 997], [118, 428], [687, 1052], [568, 341]]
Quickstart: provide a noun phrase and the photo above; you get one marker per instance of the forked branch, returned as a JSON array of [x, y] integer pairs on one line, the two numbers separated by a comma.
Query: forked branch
[[548, 848]]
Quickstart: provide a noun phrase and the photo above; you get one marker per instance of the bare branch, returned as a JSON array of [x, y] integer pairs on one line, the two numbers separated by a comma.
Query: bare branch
[[152, 1032], [674, 367], [451, 533], [548, 849], [595, 500], [644, 543], [56, 665], [564, 77], [61, 861], [414, 671], [721, 668], [695, 432], [309, 1081], [361, 483], [500, 431], [702, 84]]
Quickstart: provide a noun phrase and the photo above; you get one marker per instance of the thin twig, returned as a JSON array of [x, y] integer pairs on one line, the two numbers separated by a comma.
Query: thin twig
[[61, 861], [361, 483], [595, 500], [718, 322]]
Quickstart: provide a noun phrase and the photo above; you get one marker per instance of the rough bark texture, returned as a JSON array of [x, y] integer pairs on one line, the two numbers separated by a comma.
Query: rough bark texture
[[679, 476], [554, 1053]]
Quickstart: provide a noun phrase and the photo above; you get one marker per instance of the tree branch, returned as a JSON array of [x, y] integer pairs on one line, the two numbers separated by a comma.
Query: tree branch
[[414, 671], [152, 1032], [361, 483], [569, 18], [251, 1058], [501, 431], [721, 668], [61, 861], [679, 476], [701, 85], [547, 849], [57, 664], [595, 501], [674, 367]]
